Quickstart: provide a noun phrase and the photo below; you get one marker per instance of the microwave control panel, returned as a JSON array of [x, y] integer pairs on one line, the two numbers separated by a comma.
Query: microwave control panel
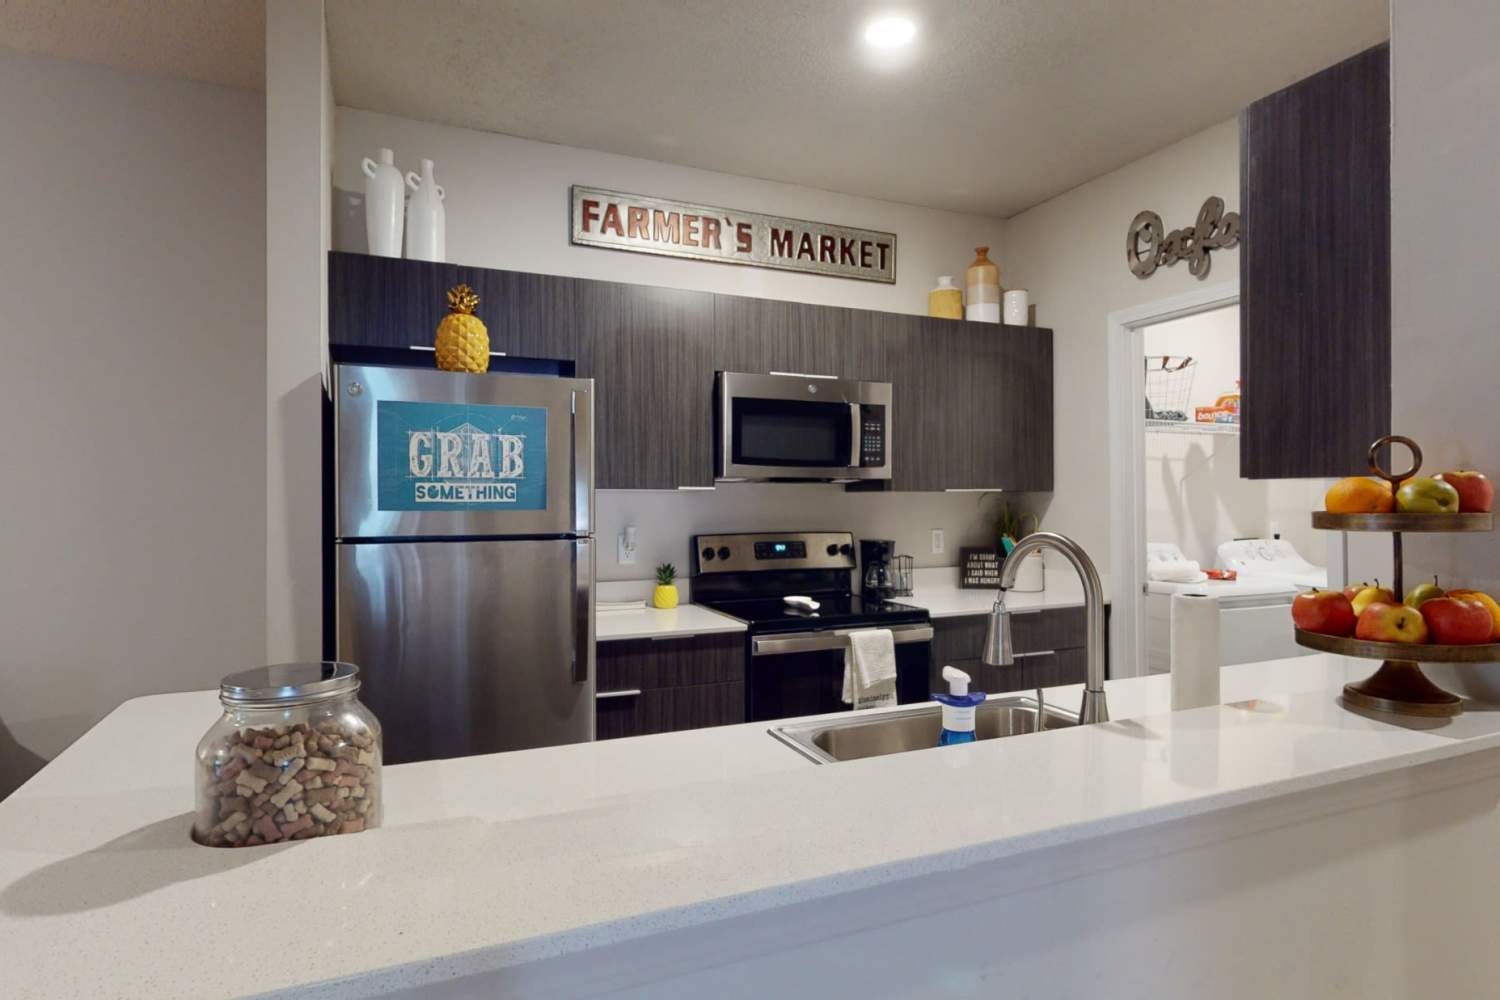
[[871, 436]]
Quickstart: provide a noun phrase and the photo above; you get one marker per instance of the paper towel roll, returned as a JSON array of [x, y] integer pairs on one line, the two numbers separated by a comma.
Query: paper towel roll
[[1195, 651]]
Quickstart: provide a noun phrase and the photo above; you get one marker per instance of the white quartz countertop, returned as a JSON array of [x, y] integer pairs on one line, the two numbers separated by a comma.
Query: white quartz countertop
[[1063, 591], [661, 623], [487, 862]]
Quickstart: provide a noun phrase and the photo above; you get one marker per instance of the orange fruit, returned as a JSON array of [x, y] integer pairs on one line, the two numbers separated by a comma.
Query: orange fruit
[[1359, 495]]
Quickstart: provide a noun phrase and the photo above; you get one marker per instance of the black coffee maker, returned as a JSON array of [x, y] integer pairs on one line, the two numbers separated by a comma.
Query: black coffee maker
[[876, 563]]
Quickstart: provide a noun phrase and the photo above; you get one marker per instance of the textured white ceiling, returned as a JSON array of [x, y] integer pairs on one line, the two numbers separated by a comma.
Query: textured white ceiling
[[1001, 105], [216, 41]]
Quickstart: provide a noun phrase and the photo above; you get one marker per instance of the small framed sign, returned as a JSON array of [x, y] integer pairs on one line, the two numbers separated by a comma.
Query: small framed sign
[[979, 568]]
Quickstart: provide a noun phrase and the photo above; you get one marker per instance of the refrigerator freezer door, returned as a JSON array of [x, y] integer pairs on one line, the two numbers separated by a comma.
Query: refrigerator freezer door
[[471, 647], [444, 454]]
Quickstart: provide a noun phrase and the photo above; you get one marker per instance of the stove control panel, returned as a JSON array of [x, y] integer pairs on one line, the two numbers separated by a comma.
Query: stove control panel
[[764, 551]]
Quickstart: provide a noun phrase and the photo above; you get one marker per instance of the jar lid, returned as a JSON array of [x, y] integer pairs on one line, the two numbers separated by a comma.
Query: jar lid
[[289, 684]]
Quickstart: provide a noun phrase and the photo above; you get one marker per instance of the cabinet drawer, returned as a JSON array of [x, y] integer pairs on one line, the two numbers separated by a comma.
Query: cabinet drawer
[[1040, 631], [665, 710], [648, 664]]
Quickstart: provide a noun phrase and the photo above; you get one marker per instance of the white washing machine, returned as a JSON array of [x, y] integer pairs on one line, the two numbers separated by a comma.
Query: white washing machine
[[1255, 617]]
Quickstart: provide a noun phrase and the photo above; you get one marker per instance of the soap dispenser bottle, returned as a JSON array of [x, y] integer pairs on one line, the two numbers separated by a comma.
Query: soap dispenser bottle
[[958, 708]]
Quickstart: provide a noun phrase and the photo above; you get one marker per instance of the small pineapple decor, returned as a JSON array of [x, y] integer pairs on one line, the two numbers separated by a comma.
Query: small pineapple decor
[[665, 595], [463, 343]]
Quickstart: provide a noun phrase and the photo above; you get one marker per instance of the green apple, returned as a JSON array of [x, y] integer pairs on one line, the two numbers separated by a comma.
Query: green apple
[[1425, 495], [1422, 593]]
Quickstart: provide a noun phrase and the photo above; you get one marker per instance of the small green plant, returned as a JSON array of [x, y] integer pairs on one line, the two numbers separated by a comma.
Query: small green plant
[[1011, 524], [665, 574]]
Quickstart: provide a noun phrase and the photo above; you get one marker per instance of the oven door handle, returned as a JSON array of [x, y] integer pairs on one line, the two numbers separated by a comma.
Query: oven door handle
[[817, 642]]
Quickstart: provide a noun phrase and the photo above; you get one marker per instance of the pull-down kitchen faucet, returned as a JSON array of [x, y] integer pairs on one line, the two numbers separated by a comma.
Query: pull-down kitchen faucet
[[998, 651]]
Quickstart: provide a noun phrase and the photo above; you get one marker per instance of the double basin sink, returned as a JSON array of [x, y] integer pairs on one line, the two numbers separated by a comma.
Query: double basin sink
[[827, 741]]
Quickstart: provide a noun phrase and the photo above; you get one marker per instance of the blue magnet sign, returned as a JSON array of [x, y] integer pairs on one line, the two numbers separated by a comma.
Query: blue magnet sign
[[461, 456]]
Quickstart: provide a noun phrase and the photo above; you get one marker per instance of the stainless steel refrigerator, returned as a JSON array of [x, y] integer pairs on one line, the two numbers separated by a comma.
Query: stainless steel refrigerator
[[463, 556]]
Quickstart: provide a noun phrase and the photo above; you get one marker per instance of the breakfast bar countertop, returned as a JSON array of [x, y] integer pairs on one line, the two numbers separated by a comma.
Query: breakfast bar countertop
[[486, 863]]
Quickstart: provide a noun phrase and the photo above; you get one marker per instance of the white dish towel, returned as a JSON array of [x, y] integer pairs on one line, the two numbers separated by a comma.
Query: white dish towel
[[870, 669]]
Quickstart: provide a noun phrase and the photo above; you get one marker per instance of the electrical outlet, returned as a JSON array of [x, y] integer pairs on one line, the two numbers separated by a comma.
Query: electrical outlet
[[937, 541], [625, 552]]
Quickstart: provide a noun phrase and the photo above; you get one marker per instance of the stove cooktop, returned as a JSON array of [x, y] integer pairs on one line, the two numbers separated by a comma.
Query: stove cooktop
[[772, 614]]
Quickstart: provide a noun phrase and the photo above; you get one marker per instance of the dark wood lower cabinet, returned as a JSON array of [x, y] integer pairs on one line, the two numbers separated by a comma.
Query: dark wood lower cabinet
[[1049, 649], [664, 685]]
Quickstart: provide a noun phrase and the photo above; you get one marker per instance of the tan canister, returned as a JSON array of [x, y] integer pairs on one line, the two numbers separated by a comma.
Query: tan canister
[[982, 289]]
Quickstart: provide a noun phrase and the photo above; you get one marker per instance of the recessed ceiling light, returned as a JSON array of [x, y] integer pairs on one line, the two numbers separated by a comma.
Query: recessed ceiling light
[[890, 32]]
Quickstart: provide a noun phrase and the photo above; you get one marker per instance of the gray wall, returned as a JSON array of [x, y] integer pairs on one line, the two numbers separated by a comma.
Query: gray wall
[[1445, 353], [132, 311]]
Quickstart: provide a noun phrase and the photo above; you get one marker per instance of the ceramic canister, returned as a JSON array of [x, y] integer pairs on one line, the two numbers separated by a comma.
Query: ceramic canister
[[946, 301], [982, 288], [385, 196], [1017, 307], [426, 219]]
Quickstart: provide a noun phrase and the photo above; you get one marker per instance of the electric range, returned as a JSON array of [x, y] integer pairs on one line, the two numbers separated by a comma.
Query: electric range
[[795, 653]]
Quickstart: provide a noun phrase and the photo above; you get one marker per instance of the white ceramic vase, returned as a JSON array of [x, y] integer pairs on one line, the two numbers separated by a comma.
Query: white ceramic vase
[[1017, 307], [385, 197], [426, 221]]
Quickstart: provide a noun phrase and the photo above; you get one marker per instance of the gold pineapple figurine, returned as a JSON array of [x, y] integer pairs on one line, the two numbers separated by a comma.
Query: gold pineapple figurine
[[463, 343]]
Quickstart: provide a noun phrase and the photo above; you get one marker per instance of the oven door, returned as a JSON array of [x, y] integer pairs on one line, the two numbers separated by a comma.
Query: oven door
[[797, 427], [802, 673]]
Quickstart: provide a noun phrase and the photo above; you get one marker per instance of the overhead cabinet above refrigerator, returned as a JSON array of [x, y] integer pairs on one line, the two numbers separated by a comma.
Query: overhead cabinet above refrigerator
[[463, 556]]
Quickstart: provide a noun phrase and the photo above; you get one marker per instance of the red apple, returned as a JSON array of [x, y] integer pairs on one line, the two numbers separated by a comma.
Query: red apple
[[1386, 622], [1476, 494], [1326, 612], [1457, 621], [1352, 591]]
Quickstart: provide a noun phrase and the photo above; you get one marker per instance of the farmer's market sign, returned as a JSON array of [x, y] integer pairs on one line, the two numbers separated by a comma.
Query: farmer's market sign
[[1148, 245], [703, 232]]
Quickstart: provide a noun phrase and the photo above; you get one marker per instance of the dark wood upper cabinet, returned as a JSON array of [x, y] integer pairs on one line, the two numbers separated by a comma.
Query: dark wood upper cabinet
[[390, 302], [922, 403], [1315, 272], [972, 406], [650, 353], [769, 335]]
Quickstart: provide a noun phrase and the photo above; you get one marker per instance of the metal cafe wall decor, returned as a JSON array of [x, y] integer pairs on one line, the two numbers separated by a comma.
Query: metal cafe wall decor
[[680, 229], [1148, 245]]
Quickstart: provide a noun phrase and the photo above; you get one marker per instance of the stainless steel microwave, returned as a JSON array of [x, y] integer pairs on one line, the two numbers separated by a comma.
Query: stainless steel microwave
[[800, 427]]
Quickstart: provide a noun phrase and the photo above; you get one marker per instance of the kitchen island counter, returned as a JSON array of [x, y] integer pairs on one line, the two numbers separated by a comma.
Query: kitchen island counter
[[490, 863]]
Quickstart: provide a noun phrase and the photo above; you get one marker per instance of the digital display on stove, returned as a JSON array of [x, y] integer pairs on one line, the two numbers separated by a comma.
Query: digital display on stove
[[781, 550]]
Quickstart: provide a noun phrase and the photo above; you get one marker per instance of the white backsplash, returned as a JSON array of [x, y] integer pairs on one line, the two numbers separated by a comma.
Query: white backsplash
[[665, 521]]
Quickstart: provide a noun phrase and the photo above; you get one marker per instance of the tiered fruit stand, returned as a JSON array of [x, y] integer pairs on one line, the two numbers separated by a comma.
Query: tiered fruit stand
[[1399, 686]]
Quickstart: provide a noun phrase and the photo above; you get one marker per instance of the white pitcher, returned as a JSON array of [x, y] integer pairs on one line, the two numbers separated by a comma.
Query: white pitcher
[[385, 196], [426, 221]]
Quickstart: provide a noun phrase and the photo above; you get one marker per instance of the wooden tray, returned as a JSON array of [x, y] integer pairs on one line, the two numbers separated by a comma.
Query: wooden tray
[[1402, 522], [1411, 652]]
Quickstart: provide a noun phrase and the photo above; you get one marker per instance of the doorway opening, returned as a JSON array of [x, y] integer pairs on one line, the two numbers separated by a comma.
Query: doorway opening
[[1184, 519]]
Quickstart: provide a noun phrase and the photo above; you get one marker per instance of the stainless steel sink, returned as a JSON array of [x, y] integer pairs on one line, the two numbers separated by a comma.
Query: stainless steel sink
[[829, 740]]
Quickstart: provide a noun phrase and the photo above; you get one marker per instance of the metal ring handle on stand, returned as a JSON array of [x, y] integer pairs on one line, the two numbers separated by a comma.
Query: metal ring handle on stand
[[1398, 560], [1416, 459]]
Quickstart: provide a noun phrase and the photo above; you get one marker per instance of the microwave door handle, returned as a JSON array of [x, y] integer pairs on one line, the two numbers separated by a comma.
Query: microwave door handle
[[854, 435]]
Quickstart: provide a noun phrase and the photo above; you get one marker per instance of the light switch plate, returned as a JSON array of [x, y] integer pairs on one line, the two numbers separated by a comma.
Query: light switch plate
[[937, 541]]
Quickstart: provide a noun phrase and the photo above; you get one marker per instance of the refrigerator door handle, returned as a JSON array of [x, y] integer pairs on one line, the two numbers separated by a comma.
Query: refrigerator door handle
[[583, 461], [583, 609]]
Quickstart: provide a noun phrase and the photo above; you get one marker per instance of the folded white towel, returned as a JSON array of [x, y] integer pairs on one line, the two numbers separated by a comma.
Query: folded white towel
[[619, 605], [870, 669], [1175, 571]]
